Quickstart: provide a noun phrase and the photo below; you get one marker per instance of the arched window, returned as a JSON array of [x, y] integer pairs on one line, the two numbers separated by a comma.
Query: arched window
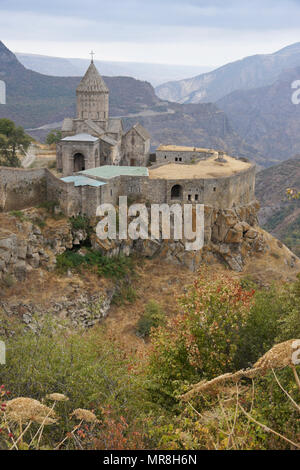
[[79, 164], [176, 191]]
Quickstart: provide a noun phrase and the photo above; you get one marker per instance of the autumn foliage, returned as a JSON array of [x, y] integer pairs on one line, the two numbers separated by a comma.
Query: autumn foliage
[[202, 341]]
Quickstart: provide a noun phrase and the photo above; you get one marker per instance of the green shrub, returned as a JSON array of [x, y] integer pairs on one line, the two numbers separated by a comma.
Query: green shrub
[[80, 222], [221, 328], [87, 367], [19, 215], [115, 268], [126, 294], [152, 317], [40, 222], [262, 327], [201, 342]]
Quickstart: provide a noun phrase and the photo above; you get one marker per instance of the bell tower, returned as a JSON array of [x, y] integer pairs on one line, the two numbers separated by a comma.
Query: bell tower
[[93, 97]]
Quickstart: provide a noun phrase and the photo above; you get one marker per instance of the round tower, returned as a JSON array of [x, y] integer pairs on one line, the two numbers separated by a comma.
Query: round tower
[[93, 97]]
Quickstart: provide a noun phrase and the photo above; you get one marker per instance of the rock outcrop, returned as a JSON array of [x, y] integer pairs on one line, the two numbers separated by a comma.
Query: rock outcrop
[[83, 311], [26, 246], [231, 235]]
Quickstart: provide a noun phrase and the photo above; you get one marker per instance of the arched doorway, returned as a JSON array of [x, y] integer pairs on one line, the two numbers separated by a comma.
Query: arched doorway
[[79, 164], [176, 192]]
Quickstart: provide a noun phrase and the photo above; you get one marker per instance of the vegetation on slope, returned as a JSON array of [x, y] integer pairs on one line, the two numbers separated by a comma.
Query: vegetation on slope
[[221, 326], [280, 214]]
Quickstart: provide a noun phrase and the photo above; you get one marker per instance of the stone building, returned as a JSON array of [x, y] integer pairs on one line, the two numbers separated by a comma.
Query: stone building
[[180, 154], [135, 144], [94, 139]]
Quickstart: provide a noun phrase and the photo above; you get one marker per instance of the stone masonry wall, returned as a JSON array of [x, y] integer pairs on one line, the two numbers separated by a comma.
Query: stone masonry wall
[[165, 156], [21, 188]]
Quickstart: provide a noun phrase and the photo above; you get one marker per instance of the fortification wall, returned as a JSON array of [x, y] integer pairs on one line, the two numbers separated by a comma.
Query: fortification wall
[[66, 194], [21, 188], [221, 193], [24, 188], [181, 156]]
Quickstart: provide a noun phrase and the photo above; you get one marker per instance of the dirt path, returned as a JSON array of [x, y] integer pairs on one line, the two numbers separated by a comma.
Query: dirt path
[[29, 157]]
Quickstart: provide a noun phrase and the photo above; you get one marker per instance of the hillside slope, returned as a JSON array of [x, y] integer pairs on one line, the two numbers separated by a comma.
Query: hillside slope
[[35, 100], [279, 215], [266, 117], [200, 125], [250, 72]]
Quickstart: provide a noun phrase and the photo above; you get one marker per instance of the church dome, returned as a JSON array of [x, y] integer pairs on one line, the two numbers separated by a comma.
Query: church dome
[[92, 81]]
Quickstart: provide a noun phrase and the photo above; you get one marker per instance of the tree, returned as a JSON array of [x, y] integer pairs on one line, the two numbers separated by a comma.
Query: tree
[[53, 137], [13, 142]]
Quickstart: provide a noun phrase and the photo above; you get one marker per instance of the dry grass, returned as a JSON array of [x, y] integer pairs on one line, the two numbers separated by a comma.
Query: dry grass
[[157, 281], [266, 268], [209, 168]]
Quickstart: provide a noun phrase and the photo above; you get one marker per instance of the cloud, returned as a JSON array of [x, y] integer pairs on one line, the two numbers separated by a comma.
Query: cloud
[[232, 14], [174, 31]]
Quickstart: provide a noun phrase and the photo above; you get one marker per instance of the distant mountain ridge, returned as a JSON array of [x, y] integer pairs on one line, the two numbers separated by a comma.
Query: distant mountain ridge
[[34, 100], [251, 72], [63, 67], [266, 117]]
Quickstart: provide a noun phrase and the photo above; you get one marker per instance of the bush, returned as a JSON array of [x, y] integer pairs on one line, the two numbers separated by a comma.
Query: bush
[[222, 328], [87, 367], [202, 341], [80, 222], [19, 215], [152, 318], [262, 327], [125, 295], [114, 268]]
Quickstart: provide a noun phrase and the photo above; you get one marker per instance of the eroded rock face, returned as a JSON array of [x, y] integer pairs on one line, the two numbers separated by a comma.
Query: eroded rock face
[[83, 311], [29, 247], [231, 235]]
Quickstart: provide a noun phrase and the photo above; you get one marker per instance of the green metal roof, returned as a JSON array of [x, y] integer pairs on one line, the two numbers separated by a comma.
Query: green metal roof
[[110, 171], [82, 181]]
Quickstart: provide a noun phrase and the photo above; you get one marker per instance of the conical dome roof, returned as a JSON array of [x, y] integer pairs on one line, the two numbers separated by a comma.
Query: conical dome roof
[[92, 81]]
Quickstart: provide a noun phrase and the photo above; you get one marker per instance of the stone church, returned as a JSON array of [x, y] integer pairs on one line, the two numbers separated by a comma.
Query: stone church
[[93, 139]]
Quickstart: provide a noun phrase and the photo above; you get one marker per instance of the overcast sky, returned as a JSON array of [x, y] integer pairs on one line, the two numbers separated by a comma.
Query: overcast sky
[[190, 32]]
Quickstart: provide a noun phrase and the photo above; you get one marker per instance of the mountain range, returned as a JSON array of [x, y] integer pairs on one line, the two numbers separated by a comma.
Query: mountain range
[[35, 100], [251, 72], [63, 67], [256, 95], [266, 117]]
